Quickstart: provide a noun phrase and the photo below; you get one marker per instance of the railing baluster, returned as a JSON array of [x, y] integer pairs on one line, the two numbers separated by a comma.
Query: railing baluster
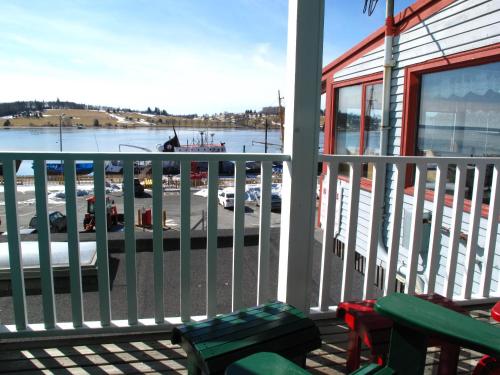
[[377, 198], [185, 241], [475, 216], [456, 226], [491, 235], [75, 273], [213, 177], [238, 235], [159, 277], [130, 245], [15, 258], [416, 227], [49, 315], [329, 225], [437, 219], [395, 229], [102, 243], [264, 232], [350, 248]]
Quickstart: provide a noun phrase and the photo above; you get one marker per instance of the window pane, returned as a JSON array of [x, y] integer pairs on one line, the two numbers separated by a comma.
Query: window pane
[[373, 119], [347, 120], [460, 115], [460, 112]]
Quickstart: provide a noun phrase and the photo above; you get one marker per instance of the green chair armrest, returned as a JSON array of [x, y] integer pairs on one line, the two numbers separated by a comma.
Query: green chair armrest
[[433, 319]]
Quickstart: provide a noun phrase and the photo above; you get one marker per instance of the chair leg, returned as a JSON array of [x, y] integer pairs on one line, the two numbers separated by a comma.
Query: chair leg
[[192, 367], [407, 351], [353, 351], [448, 359]]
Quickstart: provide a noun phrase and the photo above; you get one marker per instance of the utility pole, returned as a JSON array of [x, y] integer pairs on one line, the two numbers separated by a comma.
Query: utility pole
[[282, 117], [60, 131], [265, 144]]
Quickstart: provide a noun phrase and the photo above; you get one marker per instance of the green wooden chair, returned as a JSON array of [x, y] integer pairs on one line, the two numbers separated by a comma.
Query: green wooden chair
[[414, 321]]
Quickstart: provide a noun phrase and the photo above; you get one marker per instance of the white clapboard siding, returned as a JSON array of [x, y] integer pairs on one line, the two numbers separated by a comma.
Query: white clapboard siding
[[369, 63]]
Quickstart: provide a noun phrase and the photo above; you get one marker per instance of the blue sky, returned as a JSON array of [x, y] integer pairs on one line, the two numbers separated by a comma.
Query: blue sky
[[189, 56]]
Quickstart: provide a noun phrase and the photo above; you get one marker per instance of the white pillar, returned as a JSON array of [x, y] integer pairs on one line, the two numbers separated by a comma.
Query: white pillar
[[302, 98]]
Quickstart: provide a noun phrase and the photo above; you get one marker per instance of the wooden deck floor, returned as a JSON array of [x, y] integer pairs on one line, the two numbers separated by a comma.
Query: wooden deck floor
[[156, 355]]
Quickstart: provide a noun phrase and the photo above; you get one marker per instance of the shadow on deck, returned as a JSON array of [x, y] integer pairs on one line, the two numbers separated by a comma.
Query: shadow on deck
[[155, 354]]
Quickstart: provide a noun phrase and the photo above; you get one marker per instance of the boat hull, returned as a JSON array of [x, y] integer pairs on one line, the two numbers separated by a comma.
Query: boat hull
[[58, 168]]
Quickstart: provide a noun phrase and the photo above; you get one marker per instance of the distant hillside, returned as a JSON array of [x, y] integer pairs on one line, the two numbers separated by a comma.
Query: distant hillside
[[17, 108]]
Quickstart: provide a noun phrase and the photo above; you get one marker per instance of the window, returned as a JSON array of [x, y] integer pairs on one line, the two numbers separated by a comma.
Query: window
[[459, 115], [358, 115], [460, 112]]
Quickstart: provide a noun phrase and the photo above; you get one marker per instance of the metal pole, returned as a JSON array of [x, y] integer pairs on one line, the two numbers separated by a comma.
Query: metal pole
[[265, 144], [60, 133]]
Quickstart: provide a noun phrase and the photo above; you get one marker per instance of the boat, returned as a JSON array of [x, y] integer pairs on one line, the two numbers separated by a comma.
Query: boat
[[55, 168], [202, 145], [18, 164], [116, 166]]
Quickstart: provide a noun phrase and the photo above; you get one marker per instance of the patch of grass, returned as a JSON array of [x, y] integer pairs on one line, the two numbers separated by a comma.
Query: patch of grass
[[72, 117]]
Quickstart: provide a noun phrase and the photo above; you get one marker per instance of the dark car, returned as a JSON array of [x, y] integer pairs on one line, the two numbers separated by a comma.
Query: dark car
[[57, 222], [275, 201]]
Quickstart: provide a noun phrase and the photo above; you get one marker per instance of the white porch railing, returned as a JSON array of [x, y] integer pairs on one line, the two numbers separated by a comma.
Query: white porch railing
[[50, 325], [364, 216], [367, 218]]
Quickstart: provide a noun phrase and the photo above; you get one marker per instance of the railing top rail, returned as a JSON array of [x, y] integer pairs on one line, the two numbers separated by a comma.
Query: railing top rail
[[139, 156], [408, 159]]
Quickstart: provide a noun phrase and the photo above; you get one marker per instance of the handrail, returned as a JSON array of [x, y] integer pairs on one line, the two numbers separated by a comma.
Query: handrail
[[175, 156], [407, 159]]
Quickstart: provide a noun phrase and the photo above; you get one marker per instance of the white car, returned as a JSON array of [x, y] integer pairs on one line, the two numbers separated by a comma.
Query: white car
[[226, 197]]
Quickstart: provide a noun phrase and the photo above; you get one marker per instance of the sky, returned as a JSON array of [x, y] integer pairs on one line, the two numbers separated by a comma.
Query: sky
[[184, 56]]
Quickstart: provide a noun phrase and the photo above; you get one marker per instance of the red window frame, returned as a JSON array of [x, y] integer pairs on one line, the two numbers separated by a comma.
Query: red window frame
[[411, 103], [331, 87], [364, 81]]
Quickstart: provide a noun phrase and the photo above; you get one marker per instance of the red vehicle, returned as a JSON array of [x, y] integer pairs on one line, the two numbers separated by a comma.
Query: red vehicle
[[112, 217]]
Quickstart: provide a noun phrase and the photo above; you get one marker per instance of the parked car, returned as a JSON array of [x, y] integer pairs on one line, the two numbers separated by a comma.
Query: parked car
[[226, 197], [275, 201], [57, 222]]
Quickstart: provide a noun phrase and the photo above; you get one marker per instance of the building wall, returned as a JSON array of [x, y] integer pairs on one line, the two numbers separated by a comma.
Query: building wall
[[463, 25]]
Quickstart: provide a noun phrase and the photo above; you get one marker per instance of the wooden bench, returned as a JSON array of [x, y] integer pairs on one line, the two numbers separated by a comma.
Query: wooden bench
[[372, 329], [415, 321], [214, 344]]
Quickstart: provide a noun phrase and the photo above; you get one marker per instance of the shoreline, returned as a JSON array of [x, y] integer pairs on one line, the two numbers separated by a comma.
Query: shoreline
[[145, 126]]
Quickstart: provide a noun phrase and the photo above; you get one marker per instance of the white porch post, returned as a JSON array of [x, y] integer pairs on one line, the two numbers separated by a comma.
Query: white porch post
[[304, 62]]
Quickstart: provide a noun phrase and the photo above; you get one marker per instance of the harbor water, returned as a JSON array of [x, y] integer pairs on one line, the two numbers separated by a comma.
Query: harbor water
[[110, 139]]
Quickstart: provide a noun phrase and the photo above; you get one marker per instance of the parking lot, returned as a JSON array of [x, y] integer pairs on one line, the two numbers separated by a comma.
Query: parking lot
[[171, 206]]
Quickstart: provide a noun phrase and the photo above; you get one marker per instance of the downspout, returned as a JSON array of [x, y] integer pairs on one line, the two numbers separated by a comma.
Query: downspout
[[386, 84], [386, 102]]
